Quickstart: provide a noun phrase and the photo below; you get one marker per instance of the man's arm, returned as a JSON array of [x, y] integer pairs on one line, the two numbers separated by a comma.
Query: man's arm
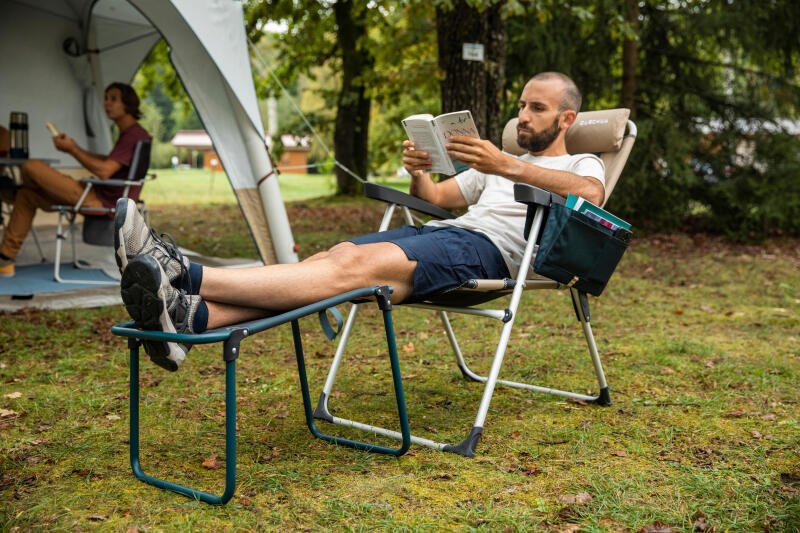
[[446, 194], [99, 165], [482, 155]]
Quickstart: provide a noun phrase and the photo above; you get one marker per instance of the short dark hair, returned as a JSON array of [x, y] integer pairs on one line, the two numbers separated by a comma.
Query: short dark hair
[[570, 96], [129, 98]]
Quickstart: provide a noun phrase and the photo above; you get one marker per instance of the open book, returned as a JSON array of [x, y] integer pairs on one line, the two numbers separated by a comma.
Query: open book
[[430, 134]]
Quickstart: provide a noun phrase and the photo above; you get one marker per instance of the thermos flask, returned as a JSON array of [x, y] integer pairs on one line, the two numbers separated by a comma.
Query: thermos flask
[[18, 133]]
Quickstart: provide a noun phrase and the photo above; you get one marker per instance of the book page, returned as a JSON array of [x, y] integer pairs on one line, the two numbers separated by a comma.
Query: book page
[[420, 130], [456, 123]]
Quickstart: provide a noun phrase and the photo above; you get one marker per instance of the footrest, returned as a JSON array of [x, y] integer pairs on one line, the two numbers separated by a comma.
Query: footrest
[[231, 337]]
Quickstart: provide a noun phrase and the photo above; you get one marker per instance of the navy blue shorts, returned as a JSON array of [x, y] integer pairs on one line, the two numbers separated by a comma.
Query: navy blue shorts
[[446, 256]]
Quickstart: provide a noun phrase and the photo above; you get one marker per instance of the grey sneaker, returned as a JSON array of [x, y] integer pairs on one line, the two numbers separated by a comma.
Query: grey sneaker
[[132, 237], [154, 304]]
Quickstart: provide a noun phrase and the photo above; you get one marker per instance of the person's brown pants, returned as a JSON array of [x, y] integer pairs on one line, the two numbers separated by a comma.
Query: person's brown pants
[[42, 188]]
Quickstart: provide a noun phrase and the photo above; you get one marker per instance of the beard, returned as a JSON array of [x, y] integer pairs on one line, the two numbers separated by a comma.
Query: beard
[[537, 141]]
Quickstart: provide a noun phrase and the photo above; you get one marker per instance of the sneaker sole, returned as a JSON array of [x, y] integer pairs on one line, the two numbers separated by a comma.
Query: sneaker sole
[[145, 299], [123, 221]]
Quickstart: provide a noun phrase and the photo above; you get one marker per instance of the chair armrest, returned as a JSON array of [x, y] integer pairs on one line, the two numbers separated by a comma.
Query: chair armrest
[[530, 194], [393, 196]]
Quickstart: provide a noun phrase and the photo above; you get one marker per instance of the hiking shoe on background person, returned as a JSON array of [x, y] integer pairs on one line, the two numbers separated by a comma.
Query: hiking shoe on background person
[[6, 268], [133, 237], [154, 304]]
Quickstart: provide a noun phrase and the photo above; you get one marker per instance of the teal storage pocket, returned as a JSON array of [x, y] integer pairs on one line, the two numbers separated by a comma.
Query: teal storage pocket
[[578, 251]]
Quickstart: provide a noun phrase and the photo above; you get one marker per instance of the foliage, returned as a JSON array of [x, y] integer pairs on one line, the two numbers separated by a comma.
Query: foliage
[[704, 67], [699, 338]]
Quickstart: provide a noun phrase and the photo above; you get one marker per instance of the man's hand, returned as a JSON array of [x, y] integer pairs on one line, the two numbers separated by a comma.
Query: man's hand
[[64, 143], [416, 161], [479, 154]]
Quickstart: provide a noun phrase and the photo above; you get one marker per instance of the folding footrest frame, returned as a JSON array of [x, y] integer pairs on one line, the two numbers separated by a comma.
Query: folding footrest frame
[[231, 338]]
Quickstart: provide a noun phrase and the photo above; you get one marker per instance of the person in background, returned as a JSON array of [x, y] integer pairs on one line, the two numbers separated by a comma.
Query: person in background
[[42, 186]]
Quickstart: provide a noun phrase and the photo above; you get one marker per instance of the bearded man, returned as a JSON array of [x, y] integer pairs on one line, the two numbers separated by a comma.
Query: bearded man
[[164, 291]]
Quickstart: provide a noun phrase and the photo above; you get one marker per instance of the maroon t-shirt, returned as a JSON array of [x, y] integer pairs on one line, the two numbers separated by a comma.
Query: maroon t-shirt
[[122, 153]]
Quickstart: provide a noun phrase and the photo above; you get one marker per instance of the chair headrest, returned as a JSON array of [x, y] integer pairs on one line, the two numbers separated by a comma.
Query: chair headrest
[[592, 132]]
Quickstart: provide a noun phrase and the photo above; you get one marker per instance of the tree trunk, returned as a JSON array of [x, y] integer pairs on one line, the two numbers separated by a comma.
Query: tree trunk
[[630, 59], [352, 117], [473, 85]]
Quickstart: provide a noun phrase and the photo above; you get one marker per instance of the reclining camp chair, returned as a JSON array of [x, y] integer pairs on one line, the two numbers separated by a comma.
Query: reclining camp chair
[[601, 132], [98, 222]]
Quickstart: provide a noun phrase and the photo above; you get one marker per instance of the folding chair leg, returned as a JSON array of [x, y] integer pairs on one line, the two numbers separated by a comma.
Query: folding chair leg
[[405, 433], [321, 412], [61, 236], [231, 346], [580, 302]]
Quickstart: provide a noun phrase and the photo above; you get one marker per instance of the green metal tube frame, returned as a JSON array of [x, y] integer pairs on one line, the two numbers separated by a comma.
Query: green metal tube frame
[[231, 337]]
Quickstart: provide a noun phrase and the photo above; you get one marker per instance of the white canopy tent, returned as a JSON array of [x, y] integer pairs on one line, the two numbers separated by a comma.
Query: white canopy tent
[[59, 55]]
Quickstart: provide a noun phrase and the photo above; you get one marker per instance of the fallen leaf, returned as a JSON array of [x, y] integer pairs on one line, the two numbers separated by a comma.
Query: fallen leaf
[[13, 395], [133, 529], [408, 348], [709, 364], [581, 497], [113, 417], [7, 413], [516, 435], [735, 414], [700, 523], [666, 371], [677, 311], [757, 434], [423, 335], [577, 400], [530, 471], [768, 416], [37, 442], [212, 463], [570, 528], [657, 527], [705, 308], [619, 453]]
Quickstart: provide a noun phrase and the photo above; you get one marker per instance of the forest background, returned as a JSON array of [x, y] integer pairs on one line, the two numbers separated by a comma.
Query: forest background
[[712, 85]]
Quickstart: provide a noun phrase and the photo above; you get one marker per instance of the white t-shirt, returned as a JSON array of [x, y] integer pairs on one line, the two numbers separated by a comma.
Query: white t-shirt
[[493, 210]]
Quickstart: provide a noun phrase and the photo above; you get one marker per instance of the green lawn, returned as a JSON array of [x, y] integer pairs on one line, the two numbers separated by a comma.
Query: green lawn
[[198, 186], [699, 338]]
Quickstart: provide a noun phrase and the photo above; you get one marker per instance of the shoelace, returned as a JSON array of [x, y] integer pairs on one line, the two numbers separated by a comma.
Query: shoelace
[[173, 253], [180, 298]]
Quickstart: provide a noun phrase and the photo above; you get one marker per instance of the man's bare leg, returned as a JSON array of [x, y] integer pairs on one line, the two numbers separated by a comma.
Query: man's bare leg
[[287, 286]]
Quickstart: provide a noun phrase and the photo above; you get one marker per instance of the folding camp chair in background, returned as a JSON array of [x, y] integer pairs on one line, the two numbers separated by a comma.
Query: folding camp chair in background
[[601, 132], [98, 222]]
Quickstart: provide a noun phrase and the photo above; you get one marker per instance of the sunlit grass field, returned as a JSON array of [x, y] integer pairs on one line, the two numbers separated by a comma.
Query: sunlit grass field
[[199, 186]]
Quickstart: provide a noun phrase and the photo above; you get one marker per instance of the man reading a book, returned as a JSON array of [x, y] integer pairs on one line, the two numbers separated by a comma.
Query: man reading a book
[[417, 261], [43, 186]]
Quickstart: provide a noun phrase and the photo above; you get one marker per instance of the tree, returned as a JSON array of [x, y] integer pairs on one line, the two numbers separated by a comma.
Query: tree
[[337, 34], [468, 84]]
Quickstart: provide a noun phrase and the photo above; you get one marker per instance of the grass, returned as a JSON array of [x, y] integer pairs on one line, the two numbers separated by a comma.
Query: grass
[[202, 187], [700, 342]]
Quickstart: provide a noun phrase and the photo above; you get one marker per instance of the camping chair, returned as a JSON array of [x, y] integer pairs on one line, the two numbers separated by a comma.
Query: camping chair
[[601, 132], [597, 132], [98, 222]]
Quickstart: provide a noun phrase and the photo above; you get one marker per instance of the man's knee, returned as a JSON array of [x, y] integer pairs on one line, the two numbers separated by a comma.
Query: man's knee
[[33, 168]]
